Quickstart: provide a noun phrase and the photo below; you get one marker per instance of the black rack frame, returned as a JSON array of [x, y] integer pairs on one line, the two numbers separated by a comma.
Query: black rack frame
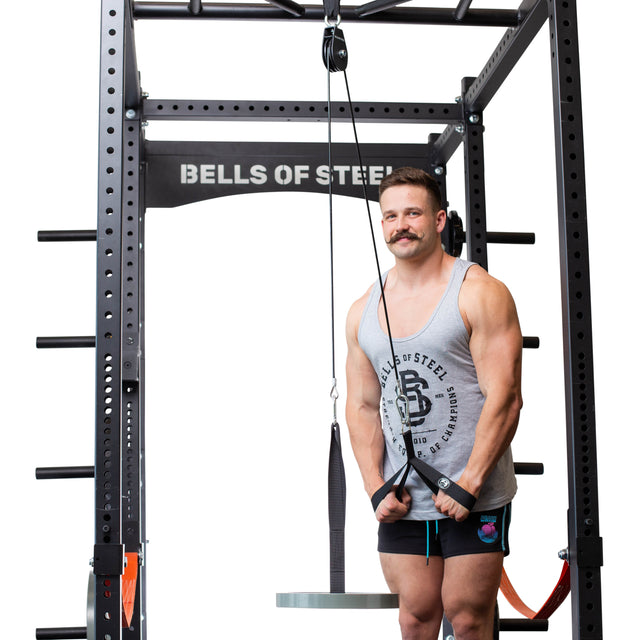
[[126, 163]]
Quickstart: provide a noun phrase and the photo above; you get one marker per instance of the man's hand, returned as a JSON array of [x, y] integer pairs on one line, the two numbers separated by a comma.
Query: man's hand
[[391, 509], [447, 506]]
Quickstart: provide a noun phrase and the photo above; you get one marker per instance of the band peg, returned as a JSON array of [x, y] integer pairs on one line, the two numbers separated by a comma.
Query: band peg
[[65, 342], [60, 473], [61, 633], [454, 236], [510, 237], [77, 235], [523, 624], [528, 468]]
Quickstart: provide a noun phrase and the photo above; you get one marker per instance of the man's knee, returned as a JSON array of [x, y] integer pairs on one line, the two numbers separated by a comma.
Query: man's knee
[[470, 623], [421, 626]]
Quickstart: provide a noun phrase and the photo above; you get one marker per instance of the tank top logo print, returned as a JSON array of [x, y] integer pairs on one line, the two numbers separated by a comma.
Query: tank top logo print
[[433, 403]]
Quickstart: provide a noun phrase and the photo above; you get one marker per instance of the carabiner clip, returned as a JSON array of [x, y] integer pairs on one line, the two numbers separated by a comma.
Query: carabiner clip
[[402, 405], [334, 396]]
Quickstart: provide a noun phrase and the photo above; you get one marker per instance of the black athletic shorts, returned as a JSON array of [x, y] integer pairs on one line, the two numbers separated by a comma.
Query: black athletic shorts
[[481, 532]]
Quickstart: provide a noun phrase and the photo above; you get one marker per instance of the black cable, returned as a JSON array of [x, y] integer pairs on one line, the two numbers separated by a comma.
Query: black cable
[[331, 253], [373, 238]]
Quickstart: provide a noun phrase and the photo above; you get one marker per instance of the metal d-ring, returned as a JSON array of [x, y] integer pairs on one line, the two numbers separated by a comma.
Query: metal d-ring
[[333, 24]]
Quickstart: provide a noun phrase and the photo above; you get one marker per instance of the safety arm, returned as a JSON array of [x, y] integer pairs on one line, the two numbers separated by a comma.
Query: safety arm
[[363, 408], [496, 349]]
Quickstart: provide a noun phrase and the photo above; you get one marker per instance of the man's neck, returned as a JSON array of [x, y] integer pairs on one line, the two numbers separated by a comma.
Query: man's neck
[[414, 274]]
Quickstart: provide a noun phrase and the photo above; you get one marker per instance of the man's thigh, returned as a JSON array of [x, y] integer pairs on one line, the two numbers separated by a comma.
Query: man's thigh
[[417, 583], [470, 584]]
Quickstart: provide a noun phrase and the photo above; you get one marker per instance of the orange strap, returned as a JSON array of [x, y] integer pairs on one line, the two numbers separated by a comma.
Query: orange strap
[[129, 580], [556, 598]]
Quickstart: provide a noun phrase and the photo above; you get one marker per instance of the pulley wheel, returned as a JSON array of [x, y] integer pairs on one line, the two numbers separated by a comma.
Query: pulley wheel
[[91, 607]]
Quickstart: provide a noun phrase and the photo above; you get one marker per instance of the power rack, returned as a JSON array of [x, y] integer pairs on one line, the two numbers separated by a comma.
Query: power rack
[[135, 174]]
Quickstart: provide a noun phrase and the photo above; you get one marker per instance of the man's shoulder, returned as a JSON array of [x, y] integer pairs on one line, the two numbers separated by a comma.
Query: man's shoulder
[[357, 308], [483, 295], [354, 314], [478, 281]]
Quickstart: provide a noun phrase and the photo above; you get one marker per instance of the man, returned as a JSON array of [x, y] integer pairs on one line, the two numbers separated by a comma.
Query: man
[[457, 345]]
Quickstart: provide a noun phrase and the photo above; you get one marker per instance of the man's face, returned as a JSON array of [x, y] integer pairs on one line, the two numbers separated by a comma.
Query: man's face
[[410, 225]]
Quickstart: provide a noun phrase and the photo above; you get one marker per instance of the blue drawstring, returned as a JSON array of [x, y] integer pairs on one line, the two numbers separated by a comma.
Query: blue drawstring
[[428, 538], [427, 543]]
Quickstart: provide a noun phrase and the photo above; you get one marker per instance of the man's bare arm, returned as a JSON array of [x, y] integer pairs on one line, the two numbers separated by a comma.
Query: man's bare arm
[[496, 349], [363, 419]]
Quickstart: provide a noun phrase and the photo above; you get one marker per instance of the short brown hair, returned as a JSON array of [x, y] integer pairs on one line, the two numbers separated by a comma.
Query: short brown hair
[[414, 176]]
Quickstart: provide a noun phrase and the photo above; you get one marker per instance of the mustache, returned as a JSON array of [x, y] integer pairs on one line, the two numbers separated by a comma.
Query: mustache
[[403, 234]]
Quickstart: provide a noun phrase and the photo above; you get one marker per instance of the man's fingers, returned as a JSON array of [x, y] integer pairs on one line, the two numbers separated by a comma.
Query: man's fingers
[[391, 509]]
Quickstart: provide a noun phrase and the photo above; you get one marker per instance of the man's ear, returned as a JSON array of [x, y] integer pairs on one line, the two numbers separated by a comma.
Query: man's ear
[[441, 220]]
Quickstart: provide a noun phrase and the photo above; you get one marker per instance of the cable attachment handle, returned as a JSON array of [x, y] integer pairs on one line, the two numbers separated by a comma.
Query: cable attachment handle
[[402, 405], [334, 47], [334, 396]]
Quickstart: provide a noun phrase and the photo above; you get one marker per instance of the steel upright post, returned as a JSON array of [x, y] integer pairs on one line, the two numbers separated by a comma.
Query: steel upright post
[[133, 449], [473, 130], [108, 561], [585, 544]]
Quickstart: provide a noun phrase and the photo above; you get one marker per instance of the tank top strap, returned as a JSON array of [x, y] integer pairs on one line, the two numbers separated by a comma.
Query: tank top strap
[[449, 303]]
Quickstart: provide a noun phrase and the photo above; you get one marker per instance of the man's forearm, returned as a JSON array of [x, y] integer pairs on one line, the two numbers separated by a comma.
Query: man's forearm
[[367, 442], [495, 430]]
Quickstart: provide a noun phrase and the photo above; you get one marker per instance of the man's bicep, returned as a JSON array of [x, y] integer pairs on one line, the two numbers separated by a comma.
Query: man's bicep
[[363, 386], [496, 339]]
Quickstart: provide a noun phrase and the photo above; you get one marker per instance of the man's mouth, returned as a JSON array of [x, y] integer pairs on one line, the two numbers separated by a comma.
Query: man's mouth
[[402, 235]]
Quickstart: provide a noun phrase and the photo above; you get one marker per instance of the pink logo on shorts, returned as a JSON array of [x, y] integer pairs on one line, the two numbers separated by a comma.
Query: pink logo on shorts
[[487, 531]]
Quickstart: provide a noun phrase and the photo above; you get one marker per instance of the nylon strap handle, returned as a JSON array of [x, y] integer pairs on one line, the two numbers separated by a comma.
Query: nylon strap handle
[[430, 476], [337, 512]]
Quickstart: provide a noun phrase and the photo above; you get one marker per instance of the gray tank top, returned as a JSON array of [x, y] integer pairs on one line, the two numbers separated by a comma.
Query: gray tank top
[[439, 378]]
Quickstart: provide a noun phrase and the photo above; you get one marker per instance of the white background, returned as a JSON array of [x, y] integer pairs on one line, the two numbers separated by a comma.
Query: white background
[[238, 349]]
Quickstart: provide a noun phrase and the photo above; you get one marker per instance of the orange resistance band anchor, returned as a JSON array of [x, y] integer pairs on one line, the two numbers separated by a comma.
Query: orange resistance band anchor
[[129, 580], [556, 598]]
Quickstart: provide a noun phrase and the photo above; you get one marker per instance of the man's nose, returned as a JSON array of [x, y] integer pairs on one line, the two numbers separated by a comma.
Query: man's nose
[[403, 223]]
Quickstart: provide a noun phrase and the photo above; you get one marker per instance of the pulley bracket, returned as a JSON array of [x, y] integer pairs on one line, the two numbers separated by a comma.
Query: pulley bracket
[[334, 48]]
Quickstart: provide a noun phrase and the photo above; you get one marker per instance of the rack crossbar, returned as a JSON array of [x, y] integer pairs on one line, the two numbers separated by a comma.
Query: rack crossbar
[[403, 15], [302, 111]]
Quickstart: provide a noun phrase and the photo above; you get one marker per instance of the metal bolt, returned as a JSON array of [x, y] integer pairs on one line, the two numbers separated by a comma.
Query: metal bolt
[[474, 118], [342, 54], [438, 171], [130, 114], [450, 638], [91, 562], [145, 94], [458, 99], [459, 128], [589, 522], [130, 340], [563, 554], [144, 124]]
